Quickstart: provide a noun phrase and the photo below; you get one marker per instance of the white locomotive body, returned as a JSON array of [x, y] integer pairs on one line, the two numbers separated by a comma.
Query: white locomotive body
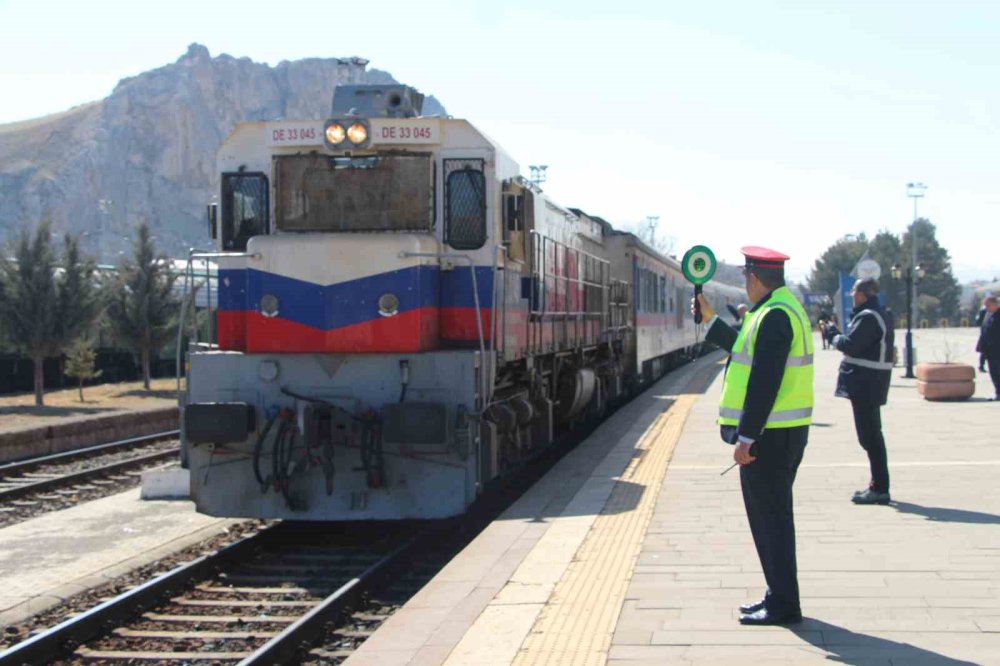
[[403, 318]]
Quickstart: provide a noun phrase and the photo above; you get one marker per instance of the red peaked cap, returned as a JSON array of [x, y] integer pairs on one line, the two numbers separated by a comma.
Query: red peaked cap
[[763, 257]]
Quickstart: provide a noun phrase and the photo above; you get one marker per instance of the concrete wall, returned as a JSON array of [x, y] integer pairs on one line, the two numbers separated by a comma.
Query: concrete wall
[[77, 434]]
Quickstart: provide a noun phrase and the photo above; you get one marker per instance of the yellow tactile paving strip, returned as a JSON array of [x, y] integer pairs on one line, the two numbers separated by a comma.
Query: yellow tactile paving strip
[[576, 624]]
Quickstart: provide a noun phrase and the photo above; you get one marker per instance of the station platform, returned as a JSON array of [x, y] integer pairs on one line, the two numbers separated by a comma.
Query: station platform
[[634, 550], [47, 559]]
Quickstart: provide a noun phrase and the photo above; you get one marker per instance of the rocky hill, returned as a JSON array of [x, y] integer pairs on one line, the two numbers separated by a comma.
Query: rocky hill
[[147, 152]]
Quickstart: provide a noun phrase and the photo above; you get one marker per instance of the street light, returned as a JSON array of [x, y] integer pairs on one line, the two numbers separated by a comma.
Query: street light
[[538, 173], [916, 192], [912, 277]]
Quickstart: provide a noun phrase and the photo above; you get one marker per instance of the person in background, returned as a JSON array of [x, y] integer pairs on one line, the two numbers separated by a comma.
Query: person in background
[[824, 321], [741, 312], [864, 379], [980, 320], [989, 342], [765, 410]]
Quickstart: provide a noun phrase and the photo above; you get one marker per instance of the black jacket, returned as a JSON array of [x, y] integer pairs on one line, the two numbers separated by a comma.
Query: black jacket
[[989, 336], [774, 341], [867, 343]]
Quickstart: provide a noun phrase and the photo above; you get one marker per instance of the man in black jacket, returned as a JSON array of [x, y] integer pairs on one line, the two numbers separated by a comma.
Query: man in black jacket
[[980, 320], [864, 379], [989, 342]]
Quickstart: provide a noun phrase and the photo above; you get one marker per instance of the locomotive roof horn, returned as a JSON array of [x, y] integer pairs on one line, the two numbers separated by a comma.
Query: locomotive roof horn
[[377, 101]]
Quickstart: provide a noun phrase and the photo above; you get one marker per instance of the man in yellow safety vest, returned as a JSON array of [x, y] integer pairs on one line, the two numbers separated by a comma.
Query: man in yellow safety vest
[[765, 410]]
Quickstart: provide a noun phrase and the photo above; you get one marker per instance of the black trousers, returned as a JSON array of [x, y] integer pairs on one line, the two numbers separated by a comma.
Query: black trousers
[[994, 362], [868, 423], [767, 496]]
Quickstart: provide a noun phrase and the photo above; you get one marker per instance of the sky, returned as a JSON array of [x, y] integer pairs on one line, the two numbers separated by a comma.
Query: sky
[[786, 124]]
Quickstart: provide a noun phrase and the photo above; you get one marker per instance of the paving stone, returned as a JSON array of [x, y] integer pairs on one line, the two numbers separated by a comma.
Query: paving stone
[[916, 582]]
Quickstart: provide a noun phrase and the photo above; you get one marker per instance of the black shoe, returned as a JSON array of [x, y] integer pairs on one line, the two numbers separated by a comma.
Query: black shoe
[[746, 609], [766, 617], [871, 497]]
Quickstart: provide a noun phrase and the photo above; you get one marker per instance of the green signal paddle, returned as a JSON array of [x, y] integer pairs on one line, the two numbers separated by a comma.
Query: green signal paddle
[[698, 266]]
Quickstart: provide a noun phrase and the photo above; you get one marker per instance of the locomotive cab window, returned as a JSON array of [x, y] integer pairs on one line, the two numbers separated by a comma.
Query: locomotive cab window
[[465, 204], [244, 209]]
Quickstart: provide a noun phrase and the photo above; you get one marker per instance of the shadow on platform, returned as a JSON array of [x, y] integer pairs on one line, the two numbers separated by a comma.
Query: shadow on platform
[[166, 394], [626, 494], [940, 514], [851, 647], [32, 410]]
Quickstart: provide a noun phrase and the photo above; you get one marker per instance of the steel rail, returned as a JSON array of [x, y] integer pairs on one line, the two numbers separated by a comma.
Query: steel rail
[[50, 644], [284, 648], [67, 456], [87, 474]]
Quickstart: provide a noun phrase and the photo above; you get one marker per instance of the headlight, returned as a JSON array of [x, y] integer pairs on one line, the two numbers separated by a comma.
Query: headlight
[[357, 133], [388, 305], [335, 134], [269, 305]]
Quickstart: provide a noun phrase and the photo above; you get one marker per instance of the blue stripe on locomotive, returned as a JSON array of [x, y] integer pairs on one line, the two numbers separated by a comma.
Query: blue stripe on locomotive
[[354, 301]]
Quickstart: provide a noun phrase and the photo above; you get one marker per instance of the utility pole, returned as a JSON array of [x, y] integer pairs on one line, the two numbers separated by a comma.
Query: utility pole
[[651, 223], [916, 192]]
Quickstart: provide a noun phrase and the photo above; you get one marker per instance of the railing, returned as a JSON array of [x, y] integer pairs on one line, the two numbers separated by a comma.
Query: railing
[[551, 264], [190, 286], [499, 293], [486, 390]]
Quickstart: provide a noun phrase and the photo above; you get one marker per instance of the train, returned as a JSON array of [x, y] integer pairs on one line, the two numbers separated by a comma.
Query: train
[[403, 318]]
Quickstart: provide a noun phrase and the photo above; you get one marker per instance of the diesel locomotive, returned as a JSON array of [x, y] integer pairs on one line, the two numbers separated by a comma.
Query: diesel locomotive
[[403, 318]]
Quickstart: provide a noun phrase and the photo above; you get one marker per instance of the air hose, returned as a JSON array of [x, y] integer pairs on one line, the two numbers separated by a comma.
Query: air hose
[[258, 449]]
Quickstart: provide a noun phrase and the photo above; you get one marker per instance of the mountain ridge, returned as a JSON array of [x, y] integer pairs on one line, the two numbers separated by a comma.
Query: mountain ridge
[[147, 151]]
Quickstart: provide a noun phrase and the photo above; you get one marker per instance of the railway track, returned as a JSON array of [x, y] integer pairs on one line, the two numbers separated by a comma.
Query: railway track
[[309, 593], [48, 483], [256, 601]]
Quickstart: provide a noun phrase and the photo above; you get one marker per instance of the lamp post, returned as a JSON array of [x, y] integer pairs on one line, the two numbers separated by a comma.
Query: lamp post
[[912, 277], [916, 192], [538, 173]]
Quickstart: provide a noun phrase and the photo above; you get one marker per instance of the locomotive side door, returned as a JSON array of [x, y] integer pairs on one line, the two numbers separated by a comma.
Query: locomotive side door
[[517, 208]]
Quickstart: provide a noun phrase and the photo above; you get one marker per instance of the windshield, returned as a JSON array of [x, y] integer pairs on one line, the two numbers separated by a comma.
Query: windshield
[[371, 193]]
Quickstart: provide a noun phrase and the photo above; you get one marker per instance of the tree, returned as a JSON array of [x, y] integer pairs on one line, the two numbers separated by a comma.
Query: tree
[[29, 304], [80, 296], [887, 250], [938, 281], [839, 257], [80, 361], [42, 306], [142, 307], [939, 284]]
